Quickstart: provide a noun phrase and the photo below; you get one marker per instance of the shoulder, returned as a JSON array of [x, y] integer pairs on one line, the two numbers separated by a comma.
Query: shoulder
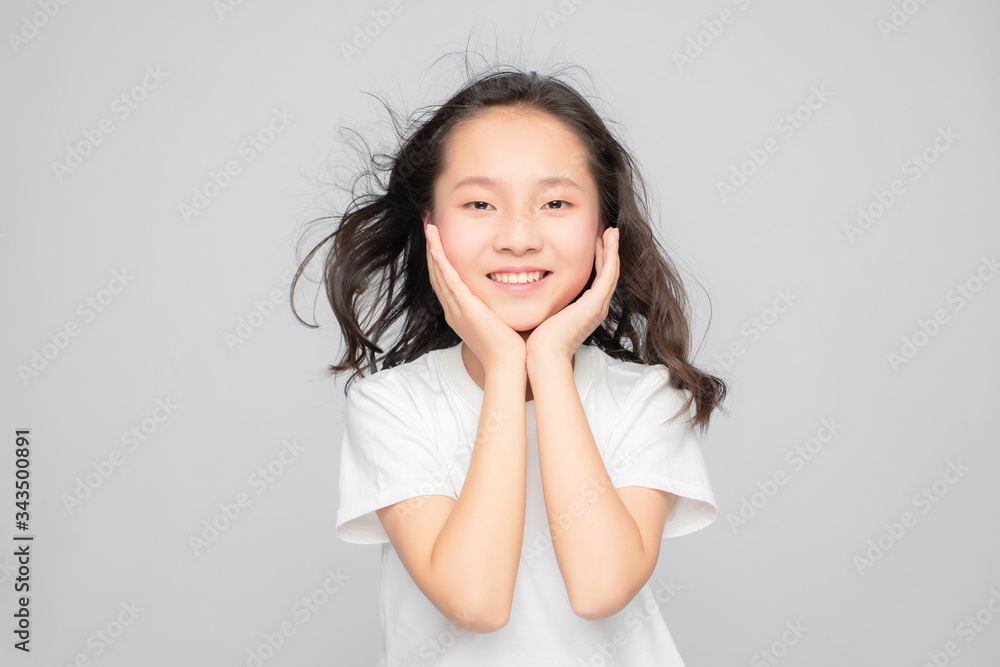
[[624, 383], [412, 385], [397, 402]]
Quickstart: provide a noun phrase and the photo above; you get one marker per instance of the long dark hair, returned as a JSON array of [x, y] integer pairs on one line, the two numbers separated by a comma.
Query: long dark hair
[[378, 258]]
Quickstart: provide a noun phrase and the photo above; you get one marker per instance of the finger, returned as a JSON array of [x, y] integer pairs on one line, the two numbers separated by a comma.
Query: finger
[[434, 270], [431, 262], [447, 276], [611, 268], [607, 243], [618, 263], [612, 258]]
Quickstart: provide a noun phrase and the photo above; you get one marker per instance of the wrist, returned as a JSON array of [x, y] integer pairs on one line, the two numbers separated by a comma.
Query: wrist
[[509, 368], [547, 362]]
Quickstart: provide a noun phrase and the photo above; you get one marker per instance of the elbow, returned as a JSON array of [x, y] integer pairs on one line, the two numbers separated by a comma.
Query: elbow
[[596, 607], [491, 622], [601, 597], [482, 619], [597, 602]]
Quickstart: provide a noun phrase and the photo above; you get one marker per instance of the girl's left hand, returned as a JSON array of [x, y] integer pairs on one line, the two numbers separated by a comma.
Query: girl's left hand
[[560, 335]]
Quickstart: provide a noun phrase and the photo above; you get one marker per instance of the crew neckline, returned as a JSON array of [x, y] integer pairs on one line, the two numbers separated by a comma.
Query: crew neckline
[[460, 380]]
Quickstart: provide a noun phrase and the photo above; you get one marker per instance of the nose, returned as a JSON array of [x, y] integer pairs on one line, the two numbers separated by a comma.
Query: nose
[[518, 232]]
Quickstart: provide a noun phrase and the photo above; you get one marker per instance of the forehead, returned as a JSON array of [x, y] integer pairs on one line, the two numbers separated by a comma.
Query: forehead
[[499, 141]]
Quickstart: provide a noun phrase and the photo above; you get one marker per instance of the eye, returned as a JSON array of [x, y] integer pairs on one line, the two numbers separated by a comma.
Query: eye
[[555, 201], [476, 207]]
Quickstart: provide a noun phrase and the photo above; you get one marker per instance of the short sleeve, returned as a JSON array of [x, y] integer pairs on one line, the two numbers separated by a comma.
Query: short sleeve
[[645, 451], [386, 456]]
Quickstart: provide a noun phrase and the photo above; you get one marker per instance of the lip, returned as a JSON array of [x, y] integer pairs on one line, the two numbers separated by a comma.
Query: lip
[[519, 287], [518, 269]]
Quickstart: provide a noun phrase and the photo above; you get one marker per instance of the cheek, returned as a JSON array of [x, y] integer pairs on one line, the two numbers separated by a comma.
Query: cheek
[[458, 247], [578, 254], [577, 261]]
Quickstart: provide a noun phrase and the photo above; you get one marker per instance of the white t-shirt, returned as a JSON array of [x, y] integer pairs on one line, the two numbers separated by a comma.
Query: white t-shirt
[[409, 432]]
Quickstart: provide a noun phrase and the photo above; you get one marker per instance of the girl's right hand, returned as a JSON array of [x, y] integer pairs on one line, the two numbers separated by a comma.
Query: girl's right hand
[[489, 337]]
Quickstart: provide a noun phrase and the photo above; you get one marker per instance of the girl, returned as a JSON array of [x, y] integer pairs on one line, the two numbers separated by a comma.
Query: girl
[[530, 437]]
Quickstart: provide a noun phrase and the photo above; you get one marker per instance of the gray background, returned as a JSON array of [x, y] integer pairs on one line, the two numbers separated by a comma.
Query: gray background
[[164, 335]]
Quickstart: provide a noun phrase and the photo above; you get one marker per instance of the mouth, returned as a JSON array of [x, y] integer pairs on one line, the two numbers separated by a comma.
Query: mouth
[[526, 278], [532, 281]]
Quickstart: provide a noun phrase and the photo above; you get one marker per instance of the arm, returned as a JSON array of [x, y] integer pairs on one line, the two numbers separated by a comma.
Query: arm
[[606, 541], [464, 554]]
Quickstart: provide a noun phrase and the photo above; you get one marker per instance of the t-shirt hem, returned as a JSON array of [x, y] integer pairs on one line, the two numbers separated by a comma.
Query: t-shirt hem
[[371, 531], [700, 507]]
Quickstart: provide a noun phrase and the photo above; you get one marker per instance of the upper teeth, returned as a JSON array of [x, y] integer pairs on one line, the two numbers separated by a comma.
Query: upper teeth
[[516, 277]]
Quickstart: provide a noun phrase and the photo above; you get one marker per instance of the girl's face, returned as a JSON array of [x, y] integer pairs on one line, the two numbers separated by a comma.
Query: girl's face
[[516, 196]]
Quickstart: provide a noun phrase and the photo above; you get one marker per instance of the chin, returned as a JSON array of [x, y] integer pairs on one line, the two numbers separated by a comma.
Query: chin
[[520, 322], [521, 325], [523, 319]]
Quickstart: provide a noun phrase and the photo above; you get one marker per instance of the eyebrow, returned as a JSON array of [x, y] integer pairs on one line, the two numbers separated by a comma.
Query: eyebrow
[[486, 181]]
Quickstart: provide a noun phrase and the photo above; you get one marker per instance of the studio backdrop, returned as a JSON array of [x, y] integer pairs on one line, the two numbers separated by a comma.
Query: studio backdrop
[[824, 174]]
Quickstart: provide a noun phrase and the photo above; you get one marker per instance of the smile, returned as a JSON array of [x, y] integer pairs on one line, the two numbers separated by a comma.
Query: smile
[[519, 282], [520, 278]]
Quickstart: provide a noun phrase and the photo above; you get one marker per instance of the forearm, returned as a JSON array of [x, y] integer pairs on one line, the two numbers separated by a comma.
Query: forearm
[[479, 546], [597, 542]]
